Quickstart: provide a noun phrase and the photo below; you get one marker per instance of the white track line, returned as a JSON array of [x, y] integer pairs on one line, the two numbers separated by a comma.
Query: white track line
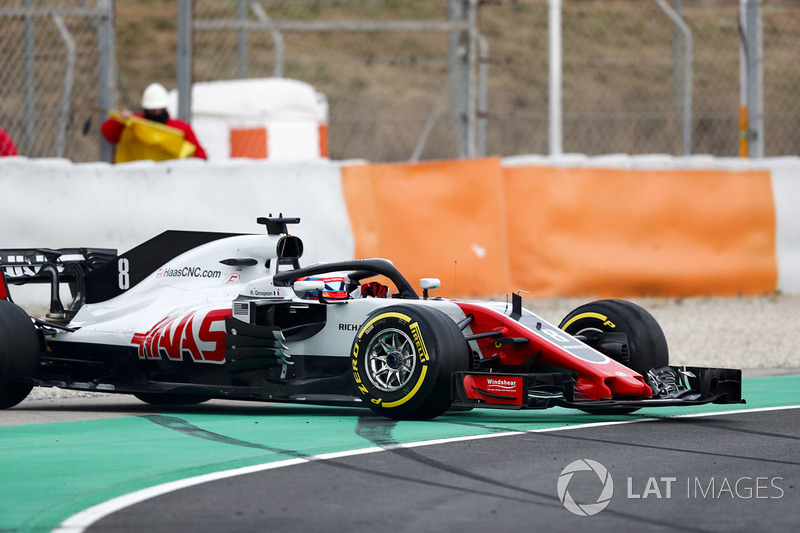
[[78, 522]]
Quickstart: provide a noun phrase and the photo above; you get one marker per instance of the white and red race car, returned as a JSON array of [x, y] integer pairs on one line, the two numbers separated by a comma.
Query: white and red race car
[[190, 316]]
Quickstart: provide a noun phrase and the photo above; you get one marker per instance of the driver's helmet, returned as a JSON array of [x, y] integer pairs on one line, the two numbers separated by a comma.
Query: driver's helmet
[[335, 287]]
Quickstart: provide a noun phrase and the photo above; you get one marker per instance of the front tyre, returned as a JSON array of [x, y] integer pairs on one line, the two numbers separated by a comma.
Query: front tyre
[[646, 345], [403, 359], [20, 352]]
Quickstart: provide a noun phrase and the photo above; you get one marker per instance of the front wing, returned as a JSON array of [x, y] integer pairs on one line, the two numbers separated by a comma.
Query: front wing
[[672, 386]]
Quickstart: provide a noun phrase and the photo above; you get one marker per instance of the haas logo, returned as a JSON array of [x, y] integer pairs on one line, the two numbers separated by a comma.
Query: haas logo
[[198, 336]]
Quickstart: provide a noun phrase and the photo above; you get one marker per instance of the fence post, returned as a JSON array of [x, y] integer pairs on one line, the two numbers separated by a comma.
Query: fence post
[[460, 75], [30, 81], [678, 51], [752, 78], [69, 76], [184, 58], [241, 40], [107, 71], [483, 96], [556, 132], [688, 47], [277, 37]]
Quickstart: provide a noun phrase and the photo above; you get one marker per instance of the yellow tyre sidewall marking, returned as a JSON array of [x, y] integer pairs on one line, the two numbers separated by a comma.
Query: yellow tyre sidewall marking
[[424, 367], [581, 316], [401, 316]]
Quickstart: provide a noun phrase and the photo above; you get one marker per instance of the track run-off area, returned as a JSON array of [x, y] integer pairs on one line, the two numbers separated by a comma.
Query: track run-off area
[[71, 474]]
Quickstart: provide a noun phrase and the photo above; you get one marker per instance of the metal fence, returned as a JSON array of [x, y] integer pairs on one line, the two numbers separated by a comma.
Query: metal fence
[[384, 66], [54, 59], [622, 77], [398, 92]]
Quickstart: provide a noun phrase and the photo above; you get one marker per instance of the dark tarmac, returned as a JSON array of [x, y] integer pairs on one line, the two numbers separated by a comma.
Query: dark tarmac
[[735, 472]]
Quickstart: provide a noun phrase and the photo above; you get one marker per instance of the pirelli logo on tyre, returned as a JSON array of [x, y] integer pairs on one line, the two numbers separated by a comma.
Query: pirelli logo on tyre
[[419, 342]]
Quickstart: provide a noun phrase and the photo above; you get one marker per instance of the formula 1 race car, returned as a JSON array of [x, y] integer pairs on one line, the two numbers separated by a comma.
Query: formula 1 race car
[[190, 316]]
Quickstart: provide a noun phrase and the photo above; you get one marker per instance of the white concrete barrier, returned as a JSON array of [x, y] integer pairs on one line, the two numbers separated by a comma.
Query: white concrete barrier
[[786, 191], [55, 203]]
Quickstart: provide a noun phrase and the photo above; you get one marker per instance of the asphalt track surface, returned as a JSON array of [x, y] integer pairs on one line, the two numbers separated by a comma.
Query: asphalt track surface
[[509, 484], [304, 468]]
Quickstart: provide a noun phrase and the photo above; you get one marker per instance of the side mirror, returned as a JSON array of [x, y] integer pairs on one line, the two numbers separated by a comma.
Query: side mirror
[[309, 286], [429, 283]]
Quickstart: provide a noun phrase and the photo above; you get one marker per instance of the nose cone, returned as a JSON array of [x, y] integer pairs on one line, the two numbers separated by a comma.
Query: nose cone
[[627, 384]]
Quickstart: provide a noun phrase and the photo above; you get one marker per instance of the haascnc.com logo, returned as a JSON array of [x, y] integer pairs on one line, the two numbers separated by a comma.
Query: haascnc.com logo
[[585, 509]]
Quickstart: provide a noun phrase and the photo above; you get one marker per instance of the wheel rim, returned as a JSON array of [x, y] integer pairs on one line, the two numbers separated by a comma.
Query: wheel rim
[[391, 360], [584, 331]]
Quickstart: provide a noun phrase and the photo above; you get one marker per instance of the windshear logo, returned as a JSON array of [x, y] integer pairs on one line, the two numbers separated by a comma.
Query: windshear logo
[[586, 509], [501, 383]]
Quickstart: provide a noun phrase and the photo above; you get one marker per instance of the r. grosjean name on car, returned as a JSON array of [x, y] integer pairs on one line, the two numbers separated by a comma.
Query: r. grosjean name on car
[[188, 272], [256, 292]]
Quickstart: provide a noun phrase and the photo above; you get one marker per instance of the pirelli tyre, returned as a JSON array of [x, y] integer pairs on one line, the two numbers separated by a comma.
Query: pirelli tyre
[[403, 358], [20, 352], [644, 346]]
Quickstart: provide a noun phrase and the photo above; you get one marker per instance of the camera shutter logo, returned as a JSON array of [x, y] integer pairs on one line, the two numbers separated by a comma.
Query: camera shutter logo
[[585, 509]]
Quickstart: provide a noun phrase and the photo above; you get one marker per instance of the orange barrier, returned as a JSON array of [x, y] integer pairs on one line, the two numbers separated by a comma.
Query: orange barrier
[[603, 232], [583, 232], [252, 142], [324, 150], [441, 219], [249, 142]]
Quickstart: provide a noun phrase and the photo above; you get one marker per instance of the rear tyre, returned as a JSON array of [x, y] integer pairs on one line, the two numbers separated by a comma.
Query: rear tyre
[[20, 352], [646, 344], [156, 398], [403, 359]]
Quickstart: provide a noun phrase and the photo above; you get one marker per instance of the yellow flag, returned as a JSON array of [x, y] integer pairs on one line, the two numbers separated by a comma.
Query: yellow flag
[[145, 139]]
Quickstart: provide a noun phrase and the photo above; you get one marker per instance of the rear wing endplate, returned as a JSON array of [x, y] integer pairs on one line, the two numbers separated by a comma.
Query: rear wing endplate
[[20, 266]]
